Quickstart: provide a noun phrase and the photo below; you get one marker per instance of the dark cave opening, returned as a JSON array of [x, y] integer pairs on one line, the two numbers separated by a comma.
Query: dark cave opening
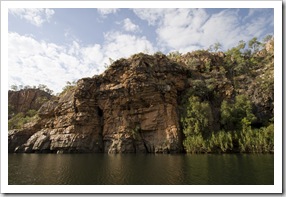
[[99, 112]]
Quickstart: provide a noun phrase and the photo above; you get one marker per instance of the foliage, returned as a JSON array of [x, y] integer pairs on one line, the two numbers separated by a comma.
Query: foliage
[[220, 142], [195, 144], [215, 47], [234, 115], [40, 87], [69, 86], [176, 55], [229, 107], [198, 118], [236, 119], [257, 140], [18, 121], [254, 45]]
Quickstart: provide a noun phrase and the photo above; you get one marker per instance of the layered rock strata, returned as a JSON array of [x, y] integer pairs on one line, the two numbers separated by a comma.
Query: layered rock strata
[[132, 107]]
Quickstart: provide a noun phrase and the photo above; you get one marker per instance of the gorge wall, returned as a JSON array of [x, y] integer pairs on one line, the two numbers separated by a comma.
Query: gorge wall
[[25, 100], [132, 107], [155, 103]]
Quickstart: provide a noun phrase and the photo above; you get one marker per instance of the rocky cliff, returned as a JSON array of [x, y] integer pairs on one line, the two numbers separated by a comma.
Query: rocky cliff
[[132, 107], [25, 100], [195, 102]]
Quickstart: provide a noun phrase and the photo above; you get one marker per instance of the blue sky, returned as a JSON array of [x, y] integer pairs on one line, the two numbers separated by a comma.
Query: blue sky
[[52, 46]]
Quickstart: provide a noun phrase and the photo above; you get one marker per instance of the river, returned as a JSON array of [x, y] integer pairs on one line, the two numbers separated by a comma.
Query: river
[[141, 169]]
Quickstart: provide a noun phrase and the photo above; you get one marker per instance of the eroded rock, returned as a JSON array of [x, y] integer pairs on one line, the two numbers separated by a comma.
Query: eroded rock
[[132, 107]]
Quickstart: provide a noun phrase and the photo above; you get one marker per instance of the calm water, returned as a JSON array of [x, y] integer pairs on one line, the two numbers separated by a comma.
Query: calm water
[[135, 169]]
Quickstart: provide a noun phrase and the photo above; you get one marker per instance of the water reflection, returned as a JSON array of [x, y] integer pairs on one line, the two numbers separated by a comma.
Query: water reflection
[[140, 169]]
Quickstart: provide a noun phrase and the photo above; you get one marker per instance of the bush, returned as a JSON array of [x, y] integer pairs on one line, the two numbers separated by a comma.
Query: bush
[[198, 118], [220, 142], [234, 115], [195, 144], [257, 140], [18, 121]]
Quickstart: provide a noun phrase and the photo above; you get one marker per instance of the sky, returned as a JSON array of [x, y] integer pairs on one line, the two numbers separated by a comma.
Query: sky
[[52, 46]]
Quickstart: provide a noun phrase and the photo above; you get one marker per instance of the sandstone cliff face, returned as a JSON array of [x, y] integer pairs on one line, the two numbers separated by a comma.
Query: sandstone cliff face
[[24, 100], [132, 107]]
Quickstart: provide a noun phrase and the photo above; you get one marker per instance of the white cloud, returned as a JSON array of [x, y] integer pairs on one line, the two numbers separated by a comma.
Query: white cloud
[[253, 11], [151, 15], [180, 28], [119, 45], [49, 13], [106, 11], [257, 25], [223, 27], [35, 16], [185, 29], [33, 62], [129, 26]]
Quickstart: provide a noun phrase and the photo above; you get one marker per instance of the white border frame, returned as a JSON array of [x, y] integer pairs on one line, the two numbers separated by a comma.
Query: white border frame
[[276, 188]]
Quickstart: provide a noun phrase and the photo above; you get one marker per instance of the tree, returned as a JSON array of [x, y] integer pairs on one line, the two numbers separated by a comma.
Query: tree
[[69, 85], [175, 55], [238, 114], [27, 87], [14, 87], [217, 46], [254, 45], [198, 118], [42, 87], [267, 38]]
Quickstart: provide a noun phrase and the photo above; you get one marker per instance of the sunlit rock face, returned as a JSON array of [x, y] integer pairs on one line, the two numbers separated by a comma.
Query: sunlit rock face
[[132, 107]]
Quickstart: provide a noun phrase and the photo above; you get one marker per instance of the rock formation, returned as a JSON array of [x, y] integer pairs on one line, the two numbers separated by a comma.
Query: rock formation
[[137, 105], [25, 100], [132, 107]]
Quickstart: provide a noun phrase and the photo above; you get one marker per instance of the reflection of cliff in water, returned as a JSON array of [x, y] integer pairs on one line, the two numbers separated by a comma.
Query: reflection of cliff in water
[[140, 169]]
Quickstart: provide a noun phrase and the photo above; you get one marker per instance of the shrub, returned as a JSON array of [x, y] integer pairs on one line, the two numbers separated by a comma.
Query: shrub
[[195, 144], [198, 118], [18, 121], [234, 115], [220, 142]]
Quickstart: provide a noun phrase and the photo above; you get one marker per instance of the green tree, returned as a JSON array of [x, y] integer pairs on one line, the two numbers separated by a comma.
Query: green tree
[[237, 60], [254, 45], [198, 118], [196, 125], [235, 115]]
